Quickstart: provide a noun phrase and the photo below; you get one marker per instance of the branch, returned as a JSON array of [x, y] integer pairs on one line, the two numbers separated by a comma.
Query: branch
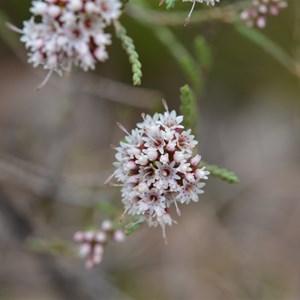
[[226, 14]]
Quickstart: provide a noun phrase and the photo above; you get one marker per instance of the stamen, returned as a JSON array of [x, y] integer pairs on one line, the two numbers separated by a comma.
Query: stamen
[[44, 82], [163, 227], [187, 19], [14, 28], [109, 178], [116, 184], [123, 128], [133, 224], [151, 138], [177, 208], [164, 102], [69, 68]]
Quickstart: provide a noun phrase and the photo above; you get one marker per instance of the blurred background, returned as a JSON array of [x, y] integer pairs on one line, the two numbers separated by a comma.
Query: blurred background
[[239, 242]]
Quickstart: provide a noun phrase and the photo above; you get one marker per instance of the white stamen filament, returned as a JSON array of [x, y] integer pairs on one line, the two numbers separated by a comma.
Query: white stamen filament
[[44, 82], [14, 28], [187, 19], [123, 128]]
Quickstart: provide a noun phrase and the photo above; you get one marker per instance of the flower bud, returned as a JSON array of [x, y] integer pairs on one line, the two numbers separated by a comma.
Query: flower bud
[[152, 154], [119, 236], [107, 225], [75, 5], [179, 156], [195, 160], [101, 237], [164, 158]]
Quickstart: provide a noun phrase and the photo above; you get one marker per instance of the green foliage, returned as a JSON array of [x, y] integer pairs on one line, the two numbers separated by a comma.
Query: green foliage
[[129, 47], [221, 173], [188, 107], [203, 53]]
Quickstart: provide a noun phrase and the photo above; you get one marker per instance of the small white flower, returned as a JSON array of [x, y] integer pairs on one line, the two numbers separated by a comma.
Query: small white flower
[[142, 160], [151, 153], [39, 8], [179, 156], [119, 236], [195, 160], [75, 5], [84, 250], [164, 158], [190, 191], [101, 237], [107, 225], [109, 9]]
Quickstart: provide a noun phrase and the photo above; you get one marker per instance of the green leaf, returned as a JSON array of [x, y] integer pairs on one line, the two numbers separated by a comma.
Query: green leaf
[[188, 107], [129, 47], [221, 173]]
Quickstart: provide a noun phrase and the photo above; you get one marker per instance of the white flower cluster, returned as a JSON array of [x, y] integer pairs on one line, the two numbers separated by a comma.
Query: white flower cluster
[[156, 167], [257, 13], [93, 242], [69, 32]]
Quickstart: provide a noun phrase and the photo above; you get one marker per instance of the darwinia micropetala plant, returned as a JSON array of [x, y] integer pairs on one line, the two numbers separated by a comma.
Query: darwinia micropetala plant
[[156, 164]]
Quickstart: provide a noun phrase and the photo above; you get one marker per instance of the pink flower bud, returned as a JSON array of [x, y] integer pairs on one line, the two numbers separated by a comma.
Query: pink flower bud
[[190, 177], [78, 236], [119, 236], [195, 160], [178, 156], [101, 237], [107, 225]]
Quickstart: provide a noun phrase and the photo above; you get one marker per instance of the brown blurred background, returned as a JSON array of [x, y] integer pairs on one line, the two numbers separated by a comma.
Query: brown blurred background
[[240, 242]]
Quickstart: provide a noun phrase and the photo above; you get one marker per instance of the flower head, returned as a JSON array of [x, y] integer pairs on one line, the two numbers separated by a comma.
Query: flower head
[[259, 10], [92, 243], [69, 32], [157, 168]]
